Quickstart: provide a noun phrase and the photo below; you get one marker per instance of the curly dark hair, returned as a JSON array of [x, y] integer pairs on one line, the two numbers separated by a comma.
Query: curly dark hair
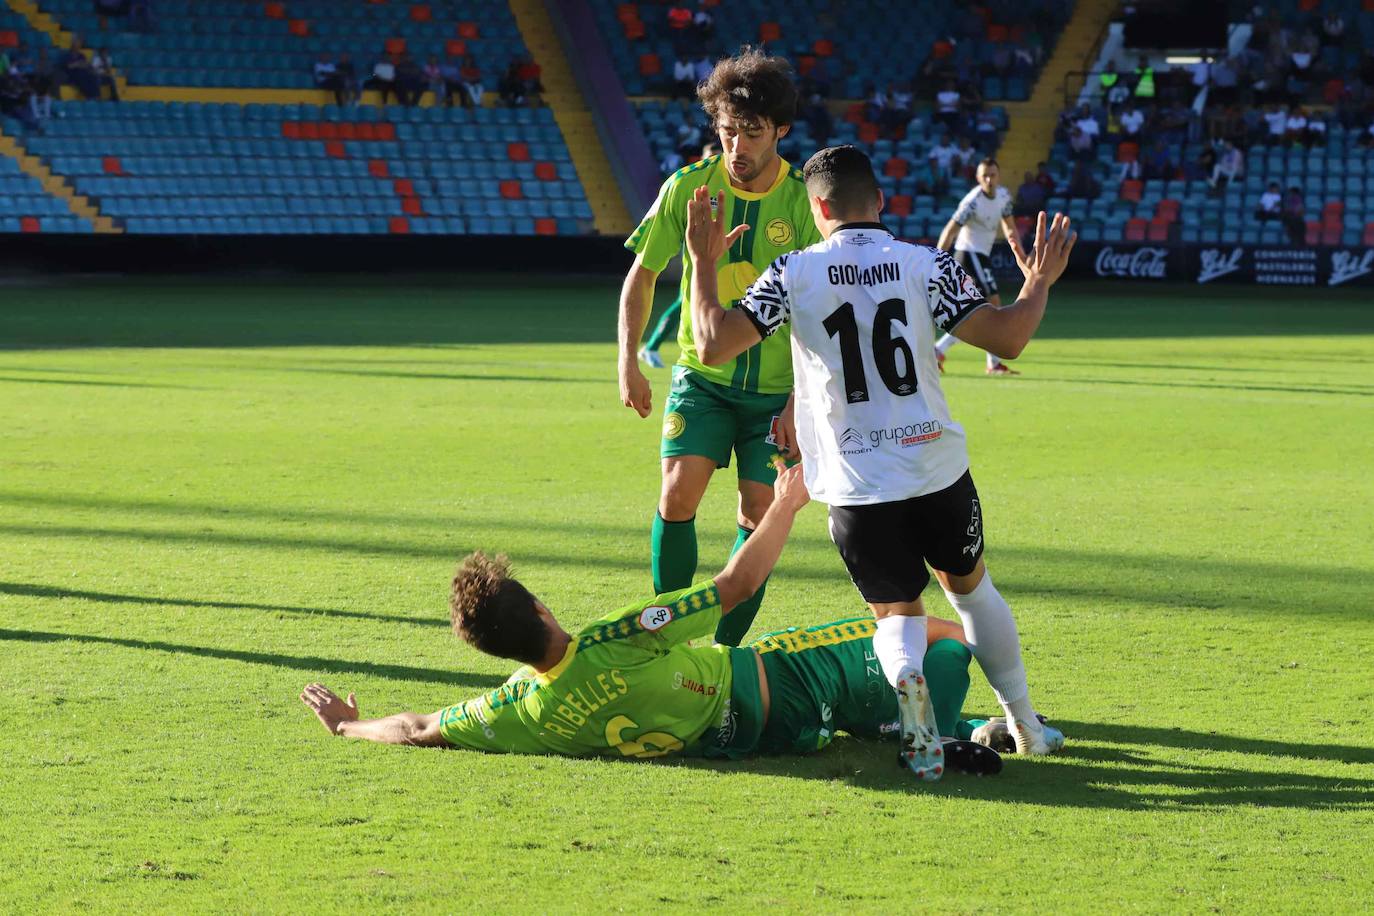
[[494, 613], [752, 87], [842, 175]]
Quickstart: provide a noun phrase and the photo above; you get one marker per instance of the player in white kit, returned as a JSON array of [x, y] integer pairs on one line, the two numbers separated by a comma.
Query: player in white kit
[[878, 443], [970, 234]]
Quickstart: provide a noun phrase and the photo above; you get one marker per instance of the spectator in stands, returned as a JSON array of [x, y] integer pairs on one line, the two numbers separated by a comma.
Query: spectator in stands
[[511, 88], [1082, 183], [898, 110], [965, 159], [1316, 131], [15, 96], [689, 137], [942, 162], [679, 18], [43, 83], [1294, 216], [1080, 144], [1270, 203], [1044, 178], [471, 75], [704, 67], [1159, 164], [434, 78], [1132, 120], [1030, 197], [671, 162], [326, 74], [1144, 79], [1333, 29], [1230, 162], [76, 70], [1087, 122], [383, 77], [451, 80], [947, 106], [985, 128], [410, 81], [531, 77], [346, 80], [703, 23], [684, 78], [1224, 82], [1276, 121], [816, 115], [1295, 126], [102, 65], [875, 103]]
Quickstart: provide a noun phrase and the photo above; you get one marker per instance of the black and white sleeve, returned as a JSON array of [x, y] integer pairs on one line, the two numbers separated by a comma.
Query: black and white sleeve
[[766, 301], [952, 294]]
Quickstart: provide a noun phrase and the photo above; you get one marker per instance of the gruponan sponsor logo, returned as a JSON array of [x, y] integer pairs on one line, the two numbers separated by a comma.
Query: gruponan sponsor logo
[[1347, 265], [1142, 262], [1217, 263], [908, 435]]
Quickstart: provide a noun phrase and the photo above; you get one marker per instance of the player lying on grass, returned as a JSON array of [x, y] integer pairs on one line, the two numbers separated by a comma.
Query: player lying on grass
[[630, 685]]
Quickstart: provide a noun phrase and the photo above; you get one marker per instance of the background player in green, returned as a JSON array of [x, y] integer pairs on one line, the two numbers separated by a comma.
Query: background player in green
[[713, 411], [629, 685]]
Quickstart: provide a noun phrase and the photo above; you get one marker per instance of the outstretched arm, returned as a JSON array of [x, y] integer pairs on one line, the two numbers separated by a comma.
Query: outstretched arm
[[340, 717], [636, 300], [719, 334], [1004, 331], [749, 568], [947, 237]]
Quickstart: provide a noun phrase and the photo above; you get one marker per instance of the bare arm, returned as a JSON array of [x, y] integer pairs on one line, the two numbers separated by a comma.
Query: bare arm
[[636, 300], [749, 568], [947, 236], [1004, 331], [1009, 230], [719, 334], [340, 717]]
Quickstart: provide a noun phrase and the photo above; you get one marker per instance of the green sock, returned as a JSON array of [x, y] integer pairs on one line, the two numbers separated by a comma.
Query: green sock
[[674, 552], [667, 325], [946, 671], [732, 627], [964, 729]]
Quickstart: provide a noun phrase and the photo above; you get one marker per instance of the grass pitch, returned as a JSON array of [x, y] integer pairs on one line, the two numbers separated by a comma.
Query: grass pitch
[[212, 492]]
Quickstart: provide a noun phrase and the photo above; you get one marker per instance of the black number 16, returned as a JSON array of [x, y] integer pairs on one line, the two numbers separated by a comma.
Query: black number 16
[[841, 324]]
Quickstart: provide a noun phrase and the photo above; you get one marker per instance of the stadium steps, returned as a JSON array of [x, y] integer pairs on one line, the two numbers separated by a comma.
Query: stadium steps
[[1031, 132], [574, 118], [40, 21], [57, 186]]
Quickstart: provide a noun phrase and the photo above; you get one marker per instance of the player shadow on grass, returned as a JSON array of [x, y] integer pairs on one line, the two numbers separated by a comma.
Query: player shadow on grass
[[28, 590], [309, 663], [1101, 777]]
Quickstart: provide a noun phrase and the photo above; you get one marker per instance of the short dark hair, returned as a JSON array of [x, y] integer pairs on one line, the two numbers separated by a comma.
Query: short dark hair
[[752, 87], [494, 613], [842, 175], [989, 162]]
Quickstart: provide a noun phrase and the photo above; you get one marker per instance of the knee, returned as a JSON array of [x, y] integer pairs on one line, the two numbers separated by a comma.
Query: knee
[[677, 502], [753, 506]]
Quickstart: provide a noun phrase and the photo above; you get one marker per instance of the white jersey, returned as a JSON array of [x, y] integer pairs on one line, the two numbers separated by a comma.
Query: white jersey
[[980, 217], [872, 422]]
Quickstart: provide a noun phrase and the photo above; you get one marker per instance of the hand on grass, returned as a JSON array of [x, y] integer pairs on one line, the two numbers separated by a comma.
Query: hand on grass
[[1047, 260], [328, 708], [707, 240]]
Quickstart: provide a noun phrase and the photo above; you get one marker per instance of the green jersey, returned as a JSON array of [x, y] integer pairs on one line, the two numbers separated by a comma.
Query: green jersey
[[629, 685], [779, 221]]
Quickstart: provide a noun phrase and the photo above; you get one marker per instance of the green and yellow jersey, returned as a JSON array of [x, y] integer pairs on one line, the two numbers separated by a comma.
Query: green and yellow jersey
[[629, 686], [779, 221]]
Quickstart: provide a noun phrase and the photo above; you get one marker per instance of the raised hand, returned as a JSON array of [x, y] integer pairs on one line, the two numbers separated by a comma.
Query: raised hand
[[707, 240], [790, 490]]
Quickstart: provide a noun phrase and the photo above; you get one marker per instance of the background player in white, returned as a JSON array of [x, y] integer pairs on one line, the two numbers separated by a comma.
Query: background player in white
[[970, 234], [878, 443]]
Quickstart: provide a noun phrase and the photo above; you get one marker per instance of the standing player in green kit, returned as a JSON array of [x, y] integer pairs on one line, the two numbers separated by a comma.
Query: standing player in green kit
[[743, 406]]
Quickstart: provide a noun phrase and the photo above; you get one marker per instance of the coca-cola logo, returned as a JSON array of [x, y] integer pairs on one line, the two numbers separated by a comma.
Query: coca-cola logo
[[1142, 262]]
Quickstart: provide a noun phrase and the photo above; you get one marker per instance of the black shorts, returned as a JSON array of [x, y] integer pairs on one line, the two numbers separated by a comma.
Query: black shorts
[[976, 266], [886, 546]]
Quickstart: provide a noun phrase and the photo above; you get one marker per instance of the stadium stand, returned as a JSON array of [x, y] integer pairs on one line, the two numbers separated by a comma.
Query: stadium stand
[[248, 169], [28, 207]]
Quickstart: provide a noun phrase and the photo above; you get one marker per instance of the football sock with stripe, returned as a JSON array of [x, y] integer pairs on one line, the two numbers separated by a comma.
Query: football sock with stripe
[[900, 643], [674, 554], [991, 633], [732, 627], [946, 670]]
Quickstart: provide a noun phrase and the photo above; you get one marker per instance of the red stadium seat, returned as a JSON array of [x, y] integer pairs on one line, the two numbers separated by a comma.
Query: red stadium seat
[[1332, 90], [1331, 235], [291, 130], [399, 225], [310, 130], [1128, 152], [997, 32], [411, 206], [9, 39], [468, 30], [854, 114], [367, 131], [377, 168], [1314, 232], [899, 205], [1135, 229], [329, 130], [385, 131], [770, 31], [1024, 226], [456, 47], [650, 65], [805, 64], [404, 187], [299, 27], [627, 12], [1132, 189], [546, 225], [274, 10], [1334, 209], [111, 165], [1158, 231], [823, 47], [634, 30], [510, 189], [395, 46], [1368, 234], [348, 131], [518, 152], [895, 167], [1167, 210], [334, 149], [868, 133], [420, 12], [545, 171], [29, 224]]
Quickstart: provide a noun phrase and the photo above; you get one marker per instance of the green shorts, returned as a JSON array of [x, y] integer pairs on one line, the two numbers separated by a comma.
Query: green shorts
[[822, 680], [703, 418]]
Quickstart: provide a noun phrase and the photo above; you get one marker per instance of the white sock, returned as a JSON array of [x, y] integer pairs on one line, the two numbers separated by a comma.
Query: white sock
[[900, 643], [993, 362], [944, 343], [991, 633]]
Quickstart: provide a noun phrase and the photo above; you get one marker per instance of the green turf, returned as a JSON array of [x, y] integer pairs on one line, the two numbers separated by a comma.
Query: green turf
[[213, 492]]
